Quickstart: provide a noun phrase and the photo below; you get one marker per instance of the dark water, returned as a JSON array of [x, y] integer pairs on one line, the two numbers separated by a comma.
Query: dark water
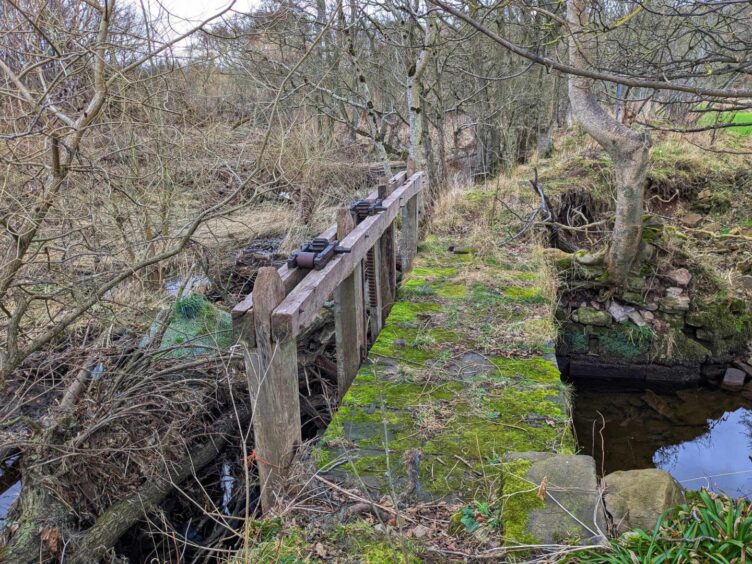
[[10, 487], [702, 436]]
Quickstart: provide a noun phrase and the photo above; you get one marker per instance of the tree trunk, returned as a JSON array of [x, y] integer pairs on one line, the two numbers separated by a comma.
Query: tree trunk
[[629, 149], [40, 515], [415, 98]]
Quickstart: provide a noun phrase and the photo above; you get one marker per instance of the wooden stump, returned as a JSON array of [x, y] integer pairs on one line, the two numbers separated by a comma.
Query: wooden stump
[[273, 381]]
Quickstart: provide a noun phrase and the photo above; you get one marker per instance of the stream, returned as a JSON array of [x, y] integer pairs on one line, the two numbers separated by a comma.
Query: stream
[[702, 436], [10, 487]]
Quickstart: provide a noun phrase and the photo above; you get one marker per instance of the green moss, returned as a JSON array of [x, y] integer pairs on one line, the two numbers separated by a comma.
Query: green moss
[[196, 327], [520, 499], [269, 543], [398, 339], [535, 369], [366, 392], [481, 295], [451, 291], [575, 338], [403, 312], [626, 340], [676, 347], [531, 295], [359, 540], [473, 416], [416, 287], [725, 326], [434, 273]]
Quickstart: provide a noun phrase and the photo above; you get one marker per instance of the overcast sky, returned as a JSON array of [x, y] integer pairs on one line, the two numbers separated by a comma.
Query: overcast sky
[[185, 13]]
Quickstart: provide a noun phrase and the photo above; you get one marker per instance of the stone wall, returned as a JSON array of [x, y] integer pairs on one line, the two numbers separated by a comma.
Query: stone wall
[[659, 330]]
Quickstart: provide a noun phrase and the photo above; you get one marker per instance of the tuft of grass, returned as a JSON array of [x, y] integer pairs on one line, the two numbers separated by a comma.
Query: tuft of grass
[[190, 307], [709, 528], [718, 118]]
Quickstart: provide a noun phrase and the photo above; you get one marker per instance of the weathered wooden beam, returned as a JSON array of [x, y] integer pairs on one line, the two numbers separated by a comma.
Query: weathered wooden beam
[[242, 313], [388, 259], [349, 318], [291, 277], [409, 232], [301, 305], [273, 381]]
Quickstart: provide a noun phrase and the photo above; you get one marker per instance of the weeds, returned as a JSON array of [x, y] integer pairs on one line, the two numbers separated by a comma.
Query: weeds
[[710, 528]]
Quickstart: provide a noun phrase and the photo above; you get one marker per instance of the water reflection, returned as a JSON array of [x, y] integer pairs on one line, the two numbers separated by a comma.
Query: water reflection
[[6, 500], [10, 486], [719, 460], [703, 437]]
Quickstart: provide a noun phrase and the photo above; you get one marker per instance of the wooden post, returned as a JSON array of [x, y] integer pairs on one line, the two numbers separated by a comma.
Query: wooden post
[[388, 271], [273, 380], [374, 293], [409, 233], [349, 318]]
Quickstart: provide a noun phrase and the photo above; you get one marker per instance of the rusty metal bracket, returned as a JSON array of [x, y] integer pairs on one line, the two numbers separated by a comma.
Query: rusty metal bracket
[[315, 254], [361, 209]]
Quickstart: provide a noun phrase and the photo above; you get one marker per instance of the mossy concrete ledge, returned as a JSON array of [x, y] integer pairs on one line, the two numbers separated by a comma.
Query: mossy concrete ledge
[[461, 376], [552, 499]]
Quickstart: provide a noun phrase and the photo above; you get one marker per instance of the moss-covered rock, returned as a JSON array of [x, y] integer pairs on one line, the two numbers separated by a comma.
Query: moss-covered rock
[[196, 327], [592, 316], [550, 499], [674, 347], [636, 499]]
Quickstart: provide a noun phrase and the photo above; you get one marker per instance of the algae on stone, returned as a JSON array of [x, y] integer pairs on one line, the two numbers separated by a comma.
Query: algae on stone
[[196, 327]]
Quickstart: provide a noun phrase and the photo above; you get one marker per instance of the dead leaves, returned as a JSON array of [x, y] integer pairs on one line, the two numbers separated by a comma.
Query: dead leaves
[[542, 488], [51, 537]]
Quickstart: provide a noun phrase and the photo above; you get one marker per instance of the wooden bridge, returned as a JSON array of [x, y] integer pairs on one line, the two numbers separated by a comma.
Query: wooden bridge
[[285, 301], [459, 398]]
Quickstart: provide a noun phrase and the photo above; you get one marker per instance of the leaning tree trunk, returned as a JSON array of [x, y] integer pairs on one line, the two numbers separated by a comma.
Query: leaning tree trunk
[[42, 524], [629, 149]]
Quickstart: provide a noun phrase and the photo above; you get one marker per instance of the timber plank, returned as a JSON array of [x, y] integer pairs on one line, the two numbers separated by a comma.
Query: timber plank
[[349, 318]]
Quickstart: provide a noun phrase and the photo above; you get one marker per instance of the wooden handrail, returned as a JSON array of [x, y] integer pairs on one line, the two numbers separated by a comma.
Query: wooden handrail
[[242, 313], [290, 278], [301, 305], [363, 283]]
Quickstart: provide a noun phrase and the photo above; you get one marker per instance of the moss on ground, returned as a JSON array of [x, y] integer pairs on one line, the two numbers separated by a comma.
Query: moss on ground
[[520, 498], [196, 327], [457, 373], [272, 541]]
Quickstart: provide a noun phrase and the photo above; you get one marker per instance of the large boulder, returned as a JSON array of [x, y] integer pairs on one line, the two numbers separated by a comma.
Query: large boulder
[[636, 499]]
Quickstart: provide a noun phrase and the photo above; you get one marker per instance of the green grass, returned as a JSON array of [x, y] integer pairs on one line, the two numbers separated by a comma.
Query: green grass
[[714, 118], [709, 528]]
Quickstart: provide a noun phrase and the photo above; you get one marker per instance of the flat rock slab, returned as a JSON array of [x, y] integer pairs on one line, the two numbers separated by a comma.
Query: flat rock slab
[[571, 509], [458, 377], [635, 499]]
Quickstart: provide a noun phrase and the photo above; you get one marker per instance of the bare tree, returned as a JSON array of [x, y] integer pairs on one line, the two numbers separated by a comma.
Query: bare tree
[[627, 148]]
